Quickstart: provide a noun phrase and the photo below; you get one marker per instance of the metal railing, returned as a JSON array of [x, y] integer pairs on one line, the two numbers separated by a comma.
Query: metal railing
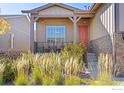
[[50, 46]]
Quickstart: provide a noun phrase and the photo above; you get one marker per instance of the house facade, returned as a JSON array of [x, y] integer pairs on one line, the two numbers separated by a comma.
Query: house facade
[[60, 23], [18, 37], [100, 29]]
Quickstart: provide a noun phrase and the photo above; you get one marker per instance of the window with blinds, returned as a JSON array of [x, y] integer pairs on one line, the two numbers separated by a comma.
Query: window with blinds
[[55, 34]]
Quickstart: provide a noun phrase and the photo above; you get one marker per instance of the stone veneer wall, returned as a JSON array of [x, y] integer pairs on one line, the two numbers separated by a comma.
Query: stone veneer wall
[[101, 45], [119, 48], [104, 45]]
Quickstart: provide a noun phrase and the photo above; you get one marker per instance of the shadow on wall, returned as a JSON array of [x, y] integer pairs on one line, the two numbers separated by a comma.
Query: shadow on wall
[[104, 25]]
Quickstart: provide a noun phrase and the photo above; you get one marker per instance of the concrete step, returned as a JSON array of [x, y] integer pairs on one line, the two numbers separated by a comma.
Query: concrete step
[[91, 54], [92, 64], [92, 60], [91, 57]]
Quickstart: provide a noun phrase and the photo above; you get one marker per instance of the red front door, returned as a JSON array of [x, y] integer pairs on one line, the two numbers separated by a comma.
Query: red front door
[[83, 35]]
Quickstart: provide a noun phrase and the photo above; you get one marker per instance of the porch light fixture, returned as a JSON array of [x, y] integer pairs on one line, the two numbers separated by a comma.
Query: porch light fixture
[[122, 35], [84, 21]]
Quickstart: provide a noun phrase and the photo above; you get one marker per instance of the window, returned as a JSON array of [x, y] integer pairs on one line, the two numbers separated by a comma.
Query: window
[[55, 34]]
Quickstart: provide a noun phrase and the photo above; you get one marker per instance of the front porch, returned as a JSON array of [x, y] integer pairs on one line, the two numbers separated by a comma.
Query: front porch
[[75, 25], [54, 33], [43, 47]]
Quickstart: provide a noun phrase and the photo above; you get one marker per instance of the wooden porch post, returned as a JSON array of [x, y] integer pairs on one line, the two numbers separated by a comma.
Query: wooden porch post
[[32, 34], [74, 19], [75, 29]]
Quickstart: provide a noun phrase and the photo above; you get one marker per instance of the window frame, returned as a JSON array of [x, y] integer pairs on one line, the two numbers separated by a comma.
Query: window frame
[[61, 35]]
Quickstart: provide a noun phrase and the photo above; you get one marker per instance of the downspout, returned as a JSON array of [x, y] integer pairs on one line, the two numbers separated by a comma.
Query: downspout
[[116, 14]]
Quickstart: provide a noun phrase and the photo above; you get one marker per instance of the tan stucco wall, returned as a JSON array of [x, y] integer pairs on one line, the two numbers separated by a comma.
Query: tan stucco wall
[[103, 22], [20, 27], [41, 33], [55, 10], [121, 16], [102, 28], [41, 25]]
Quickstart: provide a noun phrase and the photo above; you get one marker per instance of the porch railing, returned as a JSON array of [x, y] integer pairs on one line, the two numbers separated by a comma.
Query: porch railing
[[48, 47]]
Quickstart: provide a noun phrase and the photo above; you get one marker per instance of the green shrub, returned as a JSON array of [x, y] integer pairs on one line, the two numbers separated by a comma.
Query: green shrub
[[48, 81], [77, 51], [9, 74], [22, 68], [48, 69], [72, 80], [83, 82], [51, 67], [37, 74], [103, 83], [74, 50], [55, 79], [72, 67], [105, 68], [64, 54], [2, 69], [28, 56], [22, 79]]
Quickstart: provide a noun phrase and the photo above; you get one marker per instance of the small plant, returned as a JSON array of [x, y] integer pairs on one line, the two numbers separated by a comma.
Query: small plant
[[64, 54], [74, 50], [36, 76], [22, 67], [2, 69], [49, 81], [37, 73], [105, 67], [52, 68], [22, 79], [48, 69], [72, 67], [72, 80], [9, 74], [28, 56], [77, 51]]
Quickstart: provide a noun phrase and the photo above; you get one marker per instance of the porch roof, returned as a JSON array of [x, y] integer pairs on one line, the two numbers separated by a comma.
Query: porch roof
[[35, 10], [75, 10]]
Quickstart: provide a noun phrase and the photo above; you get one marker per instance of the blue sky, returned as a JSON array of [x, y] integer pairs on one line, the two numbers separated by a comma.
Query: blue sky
[[15, 8]]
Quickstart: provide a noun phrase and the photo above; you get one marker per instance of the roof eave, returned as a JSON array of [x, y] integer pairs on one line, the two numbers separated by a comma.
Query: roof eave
[[25, 11], [95, 7], [83, 12], [49, 5], [31, 12]]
